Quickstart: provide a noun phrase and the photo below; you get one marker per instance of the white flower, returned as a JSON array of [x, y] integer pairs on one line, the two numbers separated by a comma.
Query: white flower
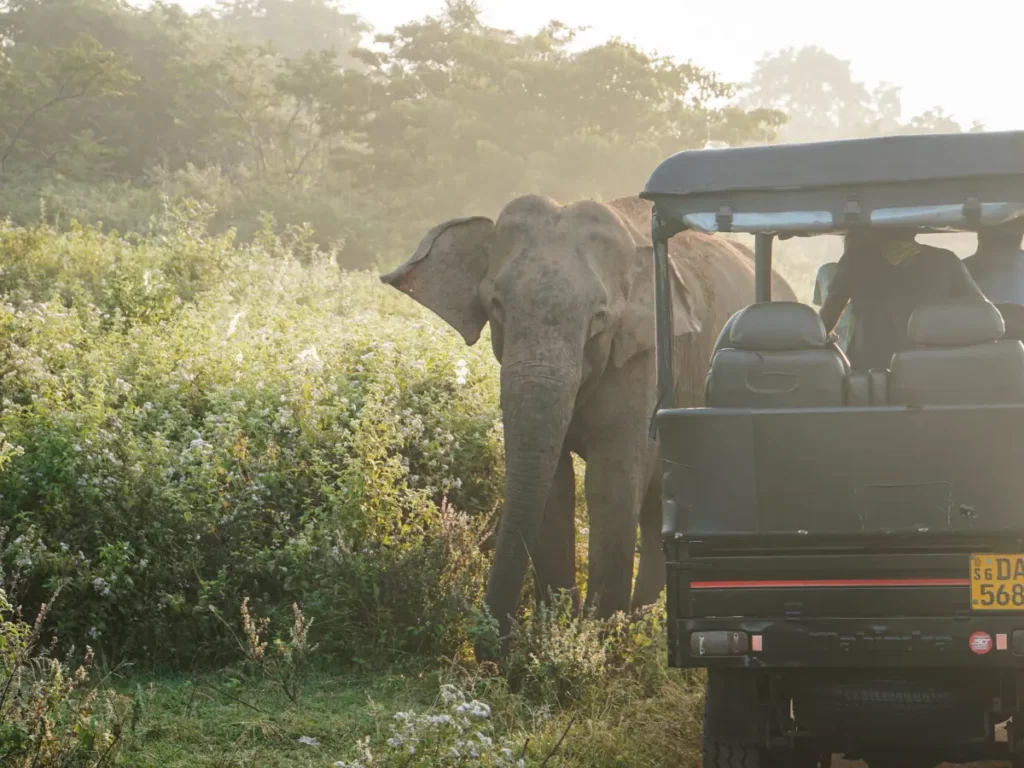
[[94, 633], [233, 325], [101, 586], [475, 709], [308, 358]]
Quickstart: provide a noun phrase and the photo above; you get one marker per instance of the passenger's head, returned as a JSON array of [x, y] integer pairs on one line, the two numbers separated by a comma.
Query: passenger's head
[[894, 245], [998, 239], [870, 237]]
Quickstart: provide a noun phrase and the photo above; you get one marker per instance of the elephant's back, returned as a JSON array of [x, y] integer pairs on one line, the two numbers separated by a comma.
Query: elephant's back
[[723, 270]]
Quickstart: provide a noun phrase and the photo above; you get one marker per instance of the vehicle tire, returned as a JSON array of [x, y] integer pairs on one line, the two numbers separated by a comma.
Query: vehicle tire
[[718, 754]]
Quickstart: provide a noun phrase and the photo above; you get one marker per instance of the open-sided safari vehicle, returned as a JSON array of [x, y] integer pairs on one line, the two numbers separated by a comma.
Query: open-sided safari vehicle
[[846, 549]]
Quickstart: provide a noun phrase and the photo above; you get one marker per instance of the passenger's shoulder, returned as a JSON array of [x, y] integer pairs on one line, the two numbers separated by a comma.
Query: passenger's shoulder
[[943, 255]]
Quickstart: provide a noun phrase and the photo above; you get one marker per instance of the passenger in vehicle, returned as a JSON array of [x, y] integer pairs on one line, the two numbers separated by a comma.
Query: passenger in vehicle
[[844, 328], [884, 277], [998, 266]]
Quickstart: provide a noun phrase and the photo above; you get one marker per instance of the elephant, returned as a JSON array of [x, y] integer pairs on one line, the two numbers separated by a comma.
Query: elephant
[[569, 293]]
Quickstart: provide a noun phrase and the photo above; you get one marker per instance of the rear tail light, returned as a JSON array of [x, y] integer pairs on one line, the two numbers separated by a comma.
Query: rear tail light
[[719, 643], [1017, 642]]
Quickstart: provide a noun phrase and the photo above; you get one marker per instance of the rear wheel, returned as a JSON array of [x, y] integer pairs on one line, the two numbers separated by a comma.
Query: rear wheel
[[733, 728], [718, 755]]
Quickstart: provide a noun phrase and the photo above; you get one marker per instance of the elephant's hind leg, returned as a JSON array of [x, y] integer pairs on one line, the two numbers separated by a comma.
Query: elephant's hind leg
[[554, 555], [650, 578]]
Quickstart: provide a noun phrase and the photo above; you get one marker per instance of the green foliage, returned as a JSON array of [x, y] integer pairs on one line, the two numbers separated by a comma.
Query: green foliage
[[594, 693], [268, 106], [556, 655], [294, 27], [36, 82], [197, 423], [51, 714]]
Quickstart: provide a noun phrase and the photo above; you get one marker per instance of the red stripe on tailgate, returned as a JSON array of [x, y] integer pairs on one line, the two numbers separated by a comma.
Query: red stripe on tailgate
[[830, 583]]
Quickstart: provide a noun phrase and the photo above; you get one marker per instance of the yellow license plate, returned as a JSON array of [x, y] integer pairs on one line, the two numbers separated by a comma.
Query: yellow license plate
[[997, 582]]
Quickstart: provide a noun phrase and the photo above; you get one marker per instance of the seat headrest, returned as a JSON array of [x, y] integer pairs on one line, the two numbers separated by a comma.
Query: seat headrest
[[776, 326], [955, 324]]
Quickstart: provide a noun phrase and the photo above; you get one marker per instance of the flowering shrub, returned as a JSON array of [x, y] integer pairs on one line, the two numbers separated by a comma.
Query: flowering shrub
[[49, 714], [456, 732], [558, 657], [186, 423]]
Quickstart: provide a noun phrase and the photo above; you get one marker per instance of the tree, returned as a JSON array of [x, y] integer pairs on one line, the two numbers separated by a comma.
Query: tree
[[463, 116], [39, 88], [822, 100], [294, 27]]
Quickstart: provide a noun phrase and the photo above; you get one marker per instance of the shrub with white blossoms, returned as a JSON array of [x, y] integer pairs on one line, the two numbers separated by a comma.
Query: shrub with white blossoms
[[458, 732]]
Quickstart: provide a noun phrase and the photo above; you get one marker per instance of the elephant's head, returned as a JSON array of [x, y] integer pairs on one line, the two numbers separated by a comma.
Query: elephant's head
[[569, 292]]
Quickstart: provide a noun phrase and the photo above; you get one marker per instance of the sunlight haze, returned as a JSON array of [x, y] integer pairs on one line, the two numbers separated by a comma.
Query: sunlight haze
[[957, 60]]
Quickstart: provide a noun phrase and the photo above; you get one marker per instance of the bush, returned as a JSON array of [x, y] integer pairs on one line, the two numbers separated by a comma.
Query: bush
[[50, 715], [190, 422]]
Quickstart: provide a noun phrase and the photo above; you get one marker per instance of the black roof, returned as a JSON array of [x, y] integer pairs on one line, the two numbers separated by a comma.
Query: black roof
[[847, 179]]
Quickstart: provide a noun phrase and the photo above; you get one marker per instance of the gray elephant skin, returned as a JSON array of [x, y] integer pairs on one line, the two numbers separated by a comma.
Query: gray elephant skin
[[569, 293]]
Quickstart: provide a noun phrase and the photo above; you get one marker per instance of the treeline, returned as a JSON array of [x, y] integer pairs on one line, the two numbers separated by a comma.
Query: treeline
[[272, 108], [289, 110]]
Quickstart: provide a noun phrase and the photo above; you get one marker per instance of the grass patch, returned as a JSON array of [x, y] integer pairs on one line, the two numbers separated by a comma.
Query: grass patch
[[221, 721]]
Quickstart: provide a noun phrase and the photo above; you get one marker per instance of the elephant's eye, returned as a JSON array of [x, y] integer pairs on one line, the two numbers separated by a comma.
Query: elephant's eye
[[599, 323]]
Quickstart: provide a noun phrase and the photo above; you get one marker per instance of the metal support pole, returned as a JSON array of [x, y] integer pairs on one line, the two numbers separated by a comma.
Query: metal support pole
[[662, 313], [763, 267]]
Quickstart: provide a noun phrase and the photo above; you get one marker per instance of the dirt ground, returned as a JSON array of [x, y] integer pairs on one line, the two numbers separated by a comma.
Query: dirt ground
[[838, 762]]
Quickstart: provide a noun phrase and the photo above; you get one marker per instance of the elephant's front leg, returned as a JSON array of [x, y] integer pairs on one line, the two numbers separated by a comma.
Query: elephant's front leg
[[615, 483], [554, 556]]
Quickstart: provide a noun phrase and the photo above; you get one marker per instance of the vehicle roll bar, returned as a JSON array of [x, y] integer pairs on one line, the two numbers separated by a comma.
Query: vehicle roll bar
[[662, 315], [660, 235], [763, 267]]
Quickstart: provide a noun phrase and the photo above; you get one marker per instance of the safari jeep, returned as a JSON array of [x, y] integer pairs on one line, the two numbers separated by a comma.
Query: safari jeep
[[845, 550]]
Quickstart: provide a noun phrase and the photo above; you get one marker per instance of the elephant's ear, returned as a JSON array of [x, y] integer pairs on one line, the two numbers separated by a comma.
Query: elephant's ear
[[445, 272], [635, 332]]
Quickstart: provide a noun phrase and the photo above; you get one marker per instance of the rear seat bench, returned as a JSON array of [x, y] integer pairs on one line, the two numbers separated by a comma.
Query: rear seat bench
[[777, 355]]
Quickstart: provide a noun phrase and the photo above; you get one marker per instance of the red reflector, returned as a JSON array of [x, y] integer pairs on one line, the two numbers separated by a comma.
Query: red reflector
[[981, 643], [809, 583]]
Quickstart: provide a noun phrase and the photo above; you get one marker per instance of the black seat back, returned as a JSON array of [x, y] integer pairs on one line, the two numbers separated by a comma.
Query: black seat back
[[960, 356], [776, 355]]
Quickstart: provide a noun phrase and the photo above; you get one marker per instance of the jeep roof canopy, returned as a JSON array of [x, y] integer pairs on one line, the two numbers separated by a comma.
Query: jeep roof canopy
[[936, 181], [933, 182]]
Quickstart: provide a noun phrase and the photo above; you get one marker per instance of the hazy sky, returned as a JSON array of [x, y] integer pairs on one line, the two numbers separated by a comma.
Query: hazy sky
[[965, 57]]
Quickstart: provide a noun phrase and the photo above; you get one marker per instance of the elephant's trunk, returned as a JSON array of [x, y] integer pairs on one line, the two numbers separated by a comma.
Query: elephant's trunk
[[537, 403]]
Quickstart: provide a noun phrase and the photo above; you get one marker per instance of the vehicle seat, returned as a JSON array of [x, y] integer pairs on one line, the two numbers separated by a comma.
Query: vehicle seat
[[776, 355], [959, 355]]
